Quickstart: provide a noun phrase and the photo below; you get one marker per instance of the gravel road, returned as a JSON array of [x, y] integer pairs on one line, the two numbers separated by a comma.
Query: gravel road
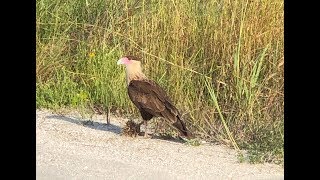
[[67, 149]]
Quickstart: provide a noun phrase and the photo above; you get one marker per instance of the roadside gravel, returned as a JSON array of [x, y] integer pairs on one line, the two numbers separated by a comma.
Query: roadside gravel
[[67, 149]]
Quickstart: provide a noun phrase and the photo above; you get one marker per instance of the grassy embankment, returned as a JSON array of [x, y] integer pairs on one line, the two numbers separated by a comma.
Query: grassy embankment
[[220, 61]]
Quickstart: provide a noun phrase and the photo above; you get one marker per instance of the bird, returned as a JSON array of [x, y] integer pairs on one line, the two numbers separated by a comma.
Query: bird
[[150, 98]]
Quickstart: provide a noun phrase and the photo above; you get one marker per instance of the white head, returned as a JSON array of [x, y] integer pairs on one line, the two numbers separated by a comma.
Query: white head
[[133, 68]]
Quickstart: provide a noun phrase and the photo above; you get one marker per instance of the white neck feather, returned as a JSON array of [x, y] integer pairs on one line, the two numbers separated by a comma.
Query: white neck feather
[[134, 72]]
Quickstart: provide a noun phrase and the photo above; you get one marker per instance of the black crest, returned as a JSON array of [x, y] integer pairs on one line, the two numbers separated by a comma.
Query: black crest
[[133, 58]]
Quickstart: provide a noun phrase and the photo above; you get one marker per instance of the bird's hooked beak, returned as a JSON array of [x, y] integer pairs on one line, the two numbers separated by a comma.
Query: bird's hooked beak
[[123, 60], [119, 61]]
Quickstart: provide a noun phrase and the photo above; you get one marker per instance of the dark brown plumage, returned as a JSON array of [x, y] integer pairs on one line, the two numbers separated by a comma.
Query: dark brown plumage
[[149, 97]]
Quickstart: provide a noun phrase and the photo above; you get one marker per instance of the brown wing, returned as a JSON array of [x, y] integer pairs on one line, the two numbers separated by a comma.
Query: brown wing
[[150, 97], [152, 100]]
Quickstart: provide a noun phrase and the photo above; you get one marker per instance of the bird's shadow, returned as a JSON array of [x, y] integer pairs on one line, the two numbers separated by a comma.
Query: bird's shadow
[[89, 123], [109, 127], [167, 138]]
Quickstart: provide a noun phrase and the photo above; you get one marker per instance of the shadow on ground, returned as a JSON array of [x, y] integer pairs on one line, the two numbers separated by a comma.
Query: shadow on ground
[[89, 123], [167, 138], [109, 127]]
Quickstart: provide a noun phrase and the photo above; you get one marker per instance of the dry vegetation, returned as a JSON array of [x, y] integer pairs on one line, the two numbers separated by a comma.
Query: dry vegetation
[[221, 62]]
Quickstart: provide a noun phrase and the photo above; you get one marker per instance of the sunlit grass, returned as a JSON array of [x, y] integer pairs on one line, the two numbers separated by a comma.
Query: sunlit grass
[[220, 61]]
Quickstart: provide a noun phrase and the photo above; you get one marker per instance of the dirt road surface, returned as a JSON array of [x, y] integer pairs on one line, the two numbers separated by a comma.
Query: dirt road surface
[[67, 149]]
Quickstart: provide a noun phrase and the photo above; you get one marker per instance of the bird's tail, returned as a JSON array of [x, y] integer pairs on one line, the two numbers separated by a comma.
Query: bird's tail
[[181, 126]]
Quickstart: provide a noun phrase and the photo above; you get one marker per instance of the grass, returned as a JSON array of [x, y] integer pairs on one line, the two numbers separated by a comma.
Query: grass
[[220, 61]]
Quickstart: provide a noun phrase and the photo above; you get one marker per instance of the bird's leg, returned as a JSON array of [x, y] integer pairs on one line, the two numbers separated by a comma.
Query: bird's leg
[[145, 129], [139, 125]]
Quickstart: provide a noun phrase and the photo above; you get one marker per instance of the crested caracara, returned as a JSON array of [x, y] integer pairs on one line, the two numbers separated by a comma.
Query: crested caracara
[[149, 97]]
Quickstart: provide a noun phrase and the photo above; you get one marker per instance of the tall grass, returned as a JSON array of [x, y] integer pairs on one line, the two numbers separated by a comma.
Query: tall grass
[[221, 62]]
